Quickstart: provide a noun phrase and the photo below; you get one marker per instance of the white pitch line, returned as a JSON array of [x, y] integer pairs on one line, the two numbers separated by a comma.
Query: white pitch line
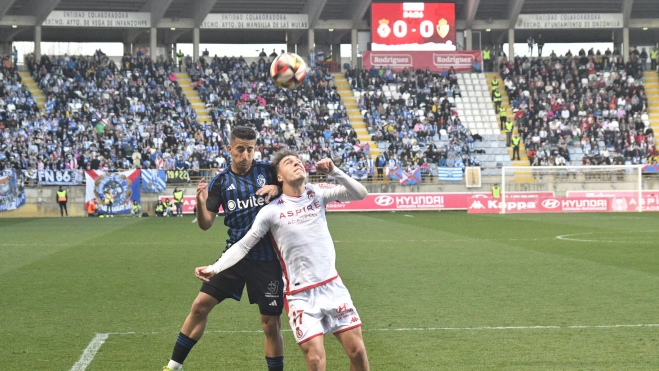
[[483, 328], [89, 353], [568, 237]]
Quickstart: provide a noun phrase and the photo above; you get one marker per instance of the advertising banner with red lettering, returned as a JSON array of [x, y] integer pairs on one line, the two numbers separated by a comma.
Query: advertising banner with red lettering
[[624, 200], [438, 61], [413, 23], [488, 205], [421, 201]]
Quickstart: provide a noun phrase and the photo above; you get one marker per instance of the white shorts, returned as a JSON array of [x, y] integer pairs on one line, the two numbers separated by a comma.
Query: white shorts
[[322, 309]]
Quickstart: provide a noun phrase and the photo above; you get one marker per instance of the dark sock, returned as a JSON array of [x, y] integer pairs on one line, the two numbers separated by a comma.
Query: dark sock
[[182, 347], [275, 363]]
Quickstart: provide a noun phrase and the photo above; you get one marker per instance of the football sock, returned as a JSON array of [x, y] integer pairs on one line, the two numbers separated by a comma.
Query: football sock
[[275, 363], [182, 348]]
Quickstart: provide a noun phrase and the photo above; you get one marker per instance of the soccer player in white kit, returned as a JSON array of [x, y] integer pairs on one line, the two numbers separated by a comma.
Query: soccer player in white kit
[[317, 301]]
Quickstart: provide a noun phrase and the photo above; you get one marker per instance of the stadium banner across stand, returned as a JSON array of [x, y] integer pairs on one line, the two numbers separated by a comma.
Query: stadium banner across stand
[[177, 176], [59, 177], [102, 19], [421, 201], [153, 181], [461, 61], [256, 21], [123, 185], [564, 21], [12, 192]]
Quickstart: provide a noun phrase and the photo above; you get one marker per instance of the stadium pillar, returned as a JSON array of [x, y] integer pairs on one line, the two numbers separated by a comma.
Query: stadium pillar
[[355, 51], [128, 48], [468, 40], [625, 44], [511, 44], [195, 43], [153, 42], [311, 43], [37, 43], [336, 54]]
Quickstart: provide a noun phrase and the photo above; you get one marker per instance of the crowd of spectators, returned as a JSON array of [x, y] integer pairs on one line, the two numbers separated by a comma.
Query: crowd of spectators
[[592, 105], [410, 114], [104, 115]]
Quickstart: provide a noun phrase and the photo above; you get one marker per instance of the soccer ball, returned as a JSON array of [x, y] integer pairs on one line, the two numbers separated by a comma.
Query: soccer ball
[[288, 70]]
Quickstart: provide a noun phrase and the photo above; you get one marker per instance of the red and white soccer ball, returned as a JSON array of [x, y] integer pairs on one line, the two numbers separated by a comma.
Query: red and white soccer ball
[[288, 70]]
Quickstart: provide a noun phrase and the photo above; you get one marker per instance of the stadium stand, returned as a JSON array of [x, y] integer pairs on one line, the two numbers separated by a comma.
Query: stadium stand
[[581, 110]]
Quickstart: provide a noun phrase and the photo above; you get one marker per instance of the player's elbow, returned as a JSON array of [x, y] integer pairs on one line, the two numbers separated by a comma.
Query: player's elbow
[[361, 193]]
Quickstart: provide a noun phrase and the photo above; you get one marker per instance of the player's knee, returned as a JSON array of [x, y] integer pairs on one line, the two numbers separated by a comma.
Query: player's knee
[[356, 351], [315, 360], [201, 307], [271, 327]]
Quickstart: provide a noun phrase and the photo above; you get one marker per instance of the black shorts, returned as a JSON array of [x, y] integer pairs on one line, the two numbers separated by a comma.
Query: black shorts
[[264, 285]]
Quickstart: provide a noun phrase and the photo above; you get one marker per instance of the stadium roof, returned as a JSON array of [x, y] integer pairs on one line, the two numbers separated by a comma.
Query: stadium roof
[[340, 15]]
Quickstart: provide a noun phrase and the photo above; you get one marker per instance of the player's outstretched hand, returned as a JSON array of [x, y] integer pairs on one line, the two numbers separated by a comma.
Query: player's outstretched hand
[[325, 165], [202, 192], [269, 192], [204, 273]]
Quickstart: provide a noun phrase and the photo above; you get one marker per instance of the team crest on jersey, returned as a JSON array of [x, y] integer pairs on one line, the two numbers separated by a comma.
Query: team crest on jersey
[[273, 287], [260, 180], [311, 194], [298, 332]]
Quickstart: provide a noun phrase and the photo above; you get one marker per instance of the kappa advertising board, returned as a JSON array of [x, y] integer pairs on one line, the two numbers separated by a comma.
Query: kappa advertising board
[[420, 201], [461, 61], [490, 205], [413, 23]]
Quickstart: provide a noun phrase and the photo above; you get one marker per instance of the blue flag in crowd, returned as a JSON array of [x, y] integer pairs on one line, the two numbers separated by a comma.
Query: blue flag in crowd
[[449, 174], [153, 181]]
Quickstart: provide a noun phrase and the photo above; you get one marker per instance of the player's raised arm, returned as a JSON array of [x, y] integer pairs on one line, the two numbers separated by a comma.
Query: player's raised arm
[[238, 250], [351, 190], [205, 217]]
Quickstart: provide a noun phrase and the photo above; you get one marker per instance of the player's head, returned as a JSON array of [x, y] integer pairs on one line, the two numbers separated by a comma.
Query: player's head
[[242, 143], [288, 166]]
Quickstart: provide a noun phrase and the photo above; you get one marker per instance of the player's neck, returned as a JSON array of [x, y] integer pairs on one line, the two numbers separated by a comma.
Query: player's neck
[[294, 189]]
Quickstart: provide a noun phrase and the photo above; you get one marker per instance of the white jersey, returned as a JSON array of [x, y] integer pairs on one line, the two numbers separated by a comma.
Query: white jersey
[[299, 228]]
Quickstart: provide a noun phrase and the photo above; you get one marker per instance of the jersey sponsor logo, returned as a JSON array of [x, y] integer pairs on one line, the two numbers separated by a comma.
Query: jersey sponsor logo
[[280, 202], [303, 210], [384, 200], [260, 180], [273, 303], [231, 188], [342, 307], [354, 319], [239, 204]]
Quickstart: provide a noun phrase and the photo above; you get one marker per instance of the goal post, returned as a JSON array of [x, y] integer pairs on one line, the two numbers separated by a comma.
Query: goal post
[[606, 181]]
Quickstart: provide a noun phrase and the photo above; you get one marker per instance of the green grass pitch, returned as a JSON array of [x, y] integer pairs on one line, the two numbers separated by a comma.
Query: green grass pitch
[[435, 290]]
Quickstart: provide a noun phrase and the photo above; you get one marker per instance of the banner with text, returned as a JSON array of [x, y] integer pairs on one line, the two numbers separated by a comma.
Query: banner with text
[[77, 18], [257, 21], [564, 21], [59, 177], [12, 192], [573, 204], [421, 201], [177, 176], [624, 200], [124, 186], [461, 61]]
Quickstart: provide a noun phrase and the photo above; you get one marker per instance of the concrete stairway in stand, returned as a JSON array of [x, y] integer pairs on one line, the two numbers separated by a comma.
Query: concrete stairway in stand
[[505, 102], [32, 86], [354, 114], [651, 84], [192, 95]]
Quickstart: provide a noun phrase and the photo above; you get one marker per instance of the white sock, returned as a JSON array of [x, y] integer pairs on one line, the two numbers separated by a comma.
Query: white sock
[[174, 365]]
